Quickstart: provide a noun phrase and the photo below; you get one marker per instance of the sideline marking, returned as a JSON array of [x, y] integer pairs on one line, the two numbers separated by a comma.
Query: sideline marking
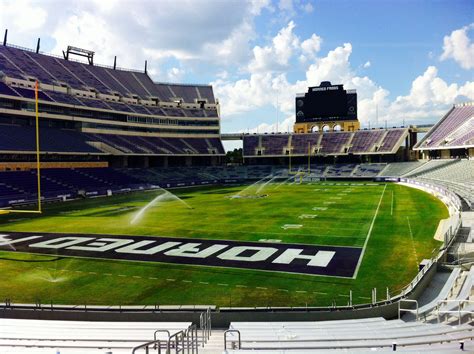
[[412, 241], [391, 206], [368, 234]]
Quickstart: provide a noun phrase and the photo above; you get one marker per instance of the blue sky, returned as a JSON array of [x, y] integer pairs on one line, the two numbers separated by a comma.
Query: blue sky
[[410, 59]]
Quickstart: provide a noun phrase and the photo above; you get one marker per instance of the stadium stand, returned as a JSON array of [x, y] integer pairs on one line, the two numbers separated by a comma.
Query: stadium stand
[[369, 334], [84, 337], [360, 142], [95, 110], [456, 175], [454, 130]]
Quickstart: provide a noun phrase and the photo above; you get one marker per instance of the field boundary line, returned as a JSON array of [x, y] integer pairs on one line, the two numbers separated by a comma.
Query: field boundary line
[[369, 233], [412, 241], [391, 206]]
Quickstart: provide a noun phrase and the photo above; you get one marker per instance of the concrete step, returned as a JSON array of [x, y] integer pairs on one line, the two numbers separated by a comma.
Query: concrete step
[[215, 344]]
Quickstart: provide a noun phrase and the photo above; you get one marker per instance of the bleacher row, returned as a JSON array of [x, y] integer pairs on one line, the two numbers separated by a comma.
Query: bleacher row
[[117, 106], [455, 175], [331, 143], [24, 64], [455, 129], [359, 335], [22, 138]]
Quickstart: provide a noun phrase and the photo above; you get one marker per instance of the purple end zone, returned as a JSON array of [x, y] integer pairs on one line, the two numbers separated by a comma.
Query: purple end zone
[[280, 257]]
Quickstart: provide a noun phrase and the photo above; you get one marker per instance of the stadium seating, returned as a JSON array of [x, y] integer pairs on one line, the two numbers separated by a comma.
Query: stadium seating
[[364, 334], [23, 138], [455, 175], [455, 129], [380, 141], [400, 168], [82, 337]]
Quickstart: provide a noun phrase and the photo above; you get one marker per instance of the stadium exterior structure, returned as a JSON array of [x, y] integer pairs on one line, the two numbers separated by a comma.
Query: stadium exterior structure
[[94, 118]]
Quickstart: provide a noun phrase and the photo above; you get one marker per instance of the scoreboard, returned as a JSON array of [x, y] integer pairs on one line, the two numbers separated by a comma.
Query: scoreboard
[[326, 102]]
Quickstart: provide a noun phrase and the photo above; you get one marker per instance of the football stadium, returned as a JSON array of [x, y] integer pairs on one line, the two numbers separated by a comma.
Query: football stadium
[[123, 228]]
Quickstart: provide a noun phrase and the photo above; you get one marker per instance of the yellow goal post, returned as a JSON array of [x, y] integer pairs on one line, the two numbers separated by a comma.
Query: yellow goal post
[[38, 164]]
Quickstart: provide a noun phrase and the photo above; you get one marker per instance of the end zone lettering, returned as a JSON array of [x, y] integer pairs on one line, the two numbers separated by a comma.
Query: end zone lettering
[[280, 257]]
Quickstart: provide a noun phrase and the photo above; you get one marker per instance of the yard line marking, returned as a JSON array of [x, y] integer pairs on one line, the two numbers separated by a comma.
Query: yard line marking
[[136, 277], [108, 274], [261, 288], [92, 273], [241, 286], [220, 284], [203, 282], [343, 295], [122, 275], [365, 298], [187, 281], [301, 291], [391, 206], [320, 293], [412, 242], [170, 279], [282, 290], [368, 234], [152, 278]]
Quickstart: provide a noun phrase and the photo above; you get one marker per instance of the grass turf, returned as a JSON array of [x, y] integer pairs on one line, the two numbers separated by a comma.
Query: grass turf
[[391, 258]]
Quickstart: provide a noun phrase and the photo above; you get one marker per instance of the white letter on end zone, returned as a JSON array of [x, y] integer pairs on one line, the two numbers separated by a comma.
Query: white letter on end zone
[[320, 259]]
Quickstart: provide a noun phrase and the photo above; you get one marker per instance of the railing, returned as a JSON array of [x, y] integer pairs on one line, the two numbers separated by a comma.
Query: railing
[[459, 311], [184, 341], [233, 342], [400, 309], [74, 60], [205, 325]]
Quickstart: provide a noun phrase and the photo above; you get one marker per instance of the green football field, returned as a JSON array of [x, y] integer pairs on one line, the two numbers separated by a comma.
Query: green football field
[[393, 224]]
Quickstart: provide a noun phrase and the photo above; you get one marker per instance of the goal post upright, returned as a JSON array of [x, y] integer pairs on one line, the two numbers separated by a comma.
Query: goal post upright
[[38, 165]]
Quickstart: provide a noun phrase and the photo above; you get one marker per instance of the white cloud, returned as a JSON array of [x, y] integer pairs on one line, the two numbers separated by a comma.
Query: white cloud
[[278, 53], [308, 7], [459, 47], [311, 46], [175, 74], [367, 64], [429, 96], [23, 15], [286, 125], [214, 31]]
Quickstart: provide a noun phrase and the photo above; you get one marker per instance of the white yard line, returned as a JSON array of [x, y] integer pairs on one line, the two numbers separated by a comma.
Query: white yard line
[[391, 206], [368, 234], [412, 242]]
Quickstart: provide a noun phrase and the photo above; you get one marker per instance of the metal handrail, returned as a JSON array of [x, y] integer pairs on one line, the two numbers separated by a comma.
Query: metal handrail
[[194, 338], [400, 309], [147, 345], [225, 338], [179, 337], [461, 303], [161, 331]]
